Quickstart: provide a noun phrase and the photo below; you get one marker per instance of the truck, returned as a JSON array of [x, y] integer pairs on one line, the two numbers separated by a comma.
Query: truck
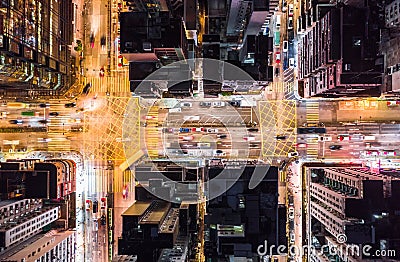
[[16, 105], [277, 38], [28, 113]]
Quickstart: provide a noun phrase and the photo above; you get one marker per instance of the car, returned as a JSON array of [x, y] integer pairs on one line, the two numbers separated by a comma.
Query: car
[[203, 145], [291, 62], [186, 104], [54, 114], [277, 71], [252, 129], [91, 39], [103, 220], [198, 129], [80, 110], [292, 237], [290, 11], [277, 57], [125, 192], [167, 130], [222, 136], [16, 121], [285, 46], [344, 138], [187, 138], [301, 145], [184, 130], [103, 203], [249, 138], [88, 204], [4, 115], [235, 103], [43, 121], [101, 72], [335, 147], [372, 153], [389, 153], [95, 206], [219, 152], [219, 104], [392, 103], [44, 105], [284, 6], [357, 137], [212, 130], [325, 138], [70, 105], [290, 23], [280, 137], [86, 89], [293, 154], [254, 145], [103, 41], [291, 213], [314, 124], [149, 117], [205, 104]]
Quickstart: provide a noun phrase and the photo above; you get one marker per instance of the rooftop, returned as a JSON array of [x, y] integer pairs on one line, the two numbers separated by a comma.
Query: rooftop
[[137, 209]]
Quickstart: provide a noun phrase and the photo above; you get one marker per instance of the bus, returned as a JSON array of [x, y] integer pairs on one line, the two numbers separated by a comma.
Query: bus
[[16, 105], [311, 130], [28, 113], [277, 38]]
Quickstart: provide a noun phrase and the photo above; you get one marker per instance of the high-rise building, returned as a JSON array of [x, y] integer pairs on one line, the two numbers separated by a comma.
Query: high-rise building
[[353, 206], [34, 40]]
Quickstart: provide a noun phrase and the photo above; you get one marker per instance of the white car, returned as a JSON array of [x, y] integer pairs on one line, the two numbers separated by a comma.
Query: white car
[[187, 138], [389, 153], [249, 138], [212, 130], [293, 154], [290, 12], [291, 213], [325, 138], [219, 104], [291, 62]]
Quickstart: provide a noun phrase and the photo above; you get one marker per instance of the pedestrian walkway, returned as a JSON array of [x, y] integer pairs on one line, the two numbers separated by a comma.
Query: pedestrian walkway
[[152, 134], [312, 117]]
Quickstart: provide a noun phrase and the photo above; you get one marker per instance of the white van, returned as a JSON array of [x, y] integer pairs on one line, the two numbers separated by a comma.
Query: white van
[[278, 21]]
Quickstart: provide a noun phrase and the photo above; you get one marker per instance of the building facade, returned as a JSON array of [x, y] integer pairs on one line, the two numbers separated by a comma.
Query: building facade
[[355, 203], [23, 219], [334, 63], [34, 48]]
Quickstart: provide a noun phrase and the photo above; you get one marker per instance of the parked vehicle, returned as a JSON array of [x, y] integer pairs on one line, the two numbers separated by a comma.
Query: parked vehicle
[[54, 114], [249, 138], [252, 129], [222, 136], [290, 11], [293, 154], [212, 130], [219, 104], [16, 121], [291, 213], [186, 104], [335, 147], [277, 57], [70, 105], [184, 130], [285, 46], [205, 104], [290, 23]]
